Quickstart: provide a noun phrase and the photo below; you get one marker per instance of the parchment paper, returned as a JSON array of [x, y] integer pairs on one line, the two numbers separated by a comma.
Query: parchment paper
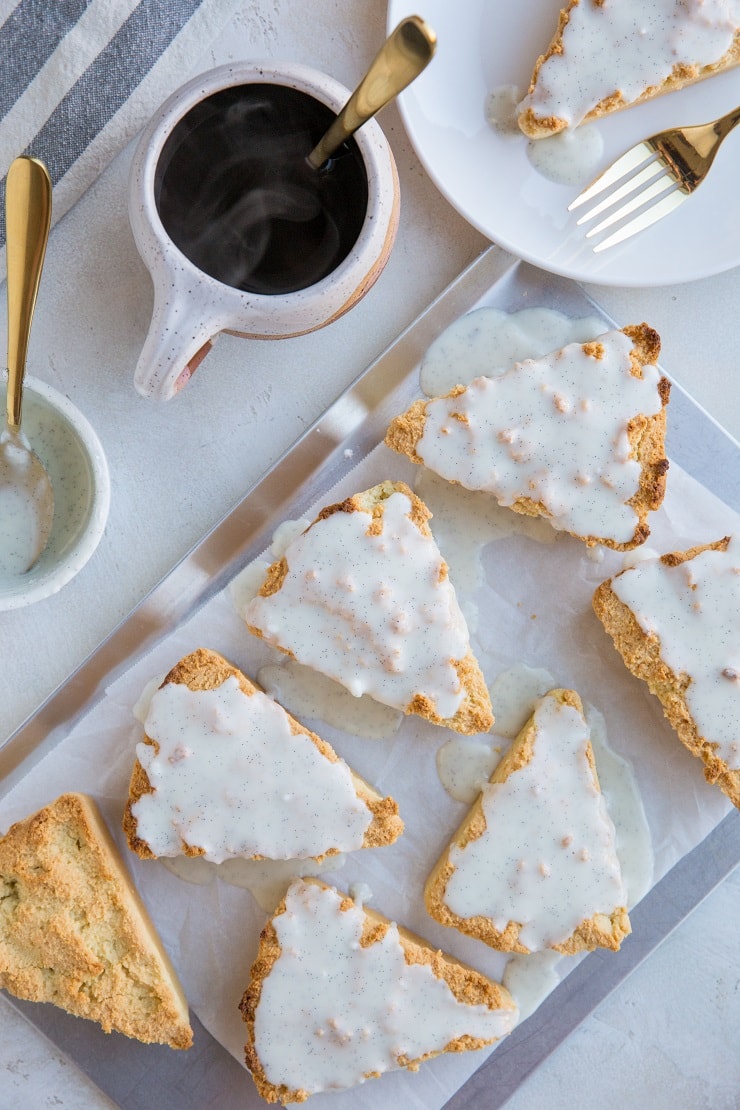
[[532, 605]]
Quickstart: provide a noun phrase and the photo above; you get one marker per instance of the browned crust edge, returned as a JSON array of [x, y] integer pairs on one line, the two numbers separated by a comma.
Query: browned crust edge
[[646, 436], [468, 986], [474, 714], [204, 669], [640, 653], [599, 931], [542, 127]]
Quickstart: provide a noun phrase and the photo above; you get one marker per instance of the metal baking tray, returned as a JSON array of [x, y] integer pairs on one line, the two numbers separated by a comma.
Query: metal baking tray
[[140, 1077]]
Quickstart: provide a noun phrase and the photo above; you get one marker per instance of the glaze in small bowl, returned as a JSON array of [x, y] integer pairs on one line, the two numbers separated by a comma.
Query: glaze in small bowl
[[74, 460]]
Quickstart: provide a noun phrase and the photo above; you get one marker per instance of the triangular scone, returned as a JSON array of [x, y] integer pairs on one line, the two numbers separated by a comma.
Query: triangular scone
[[576, 436], [608, 56], [363, 596], [534, 864], [675, 620], [74, 931], [340, 994], [224, 772]]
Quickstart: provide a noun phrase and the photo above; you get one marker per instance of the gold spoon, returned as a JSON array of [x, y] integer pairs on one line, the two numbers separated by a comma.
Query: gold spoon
[[405, 53], [26, 496]]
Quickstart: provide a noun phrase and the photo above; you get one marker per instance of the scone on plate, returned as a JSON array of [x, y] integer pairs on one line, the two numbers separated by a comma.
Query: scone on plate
[[340, 994], [675, 620], [608, 56], [534, 864], [74, 931], [364, 597], [576, 437], [224, 771]]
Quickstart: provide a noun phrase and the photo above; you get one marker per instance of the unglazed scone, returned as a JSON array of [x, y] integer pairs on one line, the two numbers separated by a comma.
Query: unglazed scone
[[224, 772], [610, 55], [74, 932], [675, 620], [340, 994], [534, 864], [364, 597], [577, 437]]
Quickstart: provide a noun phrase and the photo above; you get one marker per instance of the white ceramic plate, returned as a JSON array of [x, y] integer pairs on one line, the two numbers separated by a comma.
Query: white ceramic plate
[[489, 179]]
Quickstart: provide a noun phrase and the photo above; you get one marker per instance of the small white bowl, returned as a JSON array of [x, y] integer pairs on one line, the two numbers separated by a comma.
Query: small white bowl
[[71, 452]]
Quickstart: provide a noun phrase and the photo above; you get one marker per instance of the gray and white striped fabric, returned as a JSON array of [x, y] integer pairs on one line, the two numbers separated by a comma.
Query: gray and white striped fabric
[[79, 78]]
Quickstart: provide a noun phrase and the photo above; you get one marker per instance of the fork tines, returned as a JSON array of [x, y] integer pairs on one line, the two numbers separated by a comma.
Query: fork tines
[[640, 177]]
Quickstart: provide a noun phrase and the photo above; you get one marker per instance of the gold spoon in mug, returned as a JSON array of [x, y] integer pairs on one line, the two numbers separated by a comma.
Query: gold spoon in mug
[[26, 496], [405, 53]]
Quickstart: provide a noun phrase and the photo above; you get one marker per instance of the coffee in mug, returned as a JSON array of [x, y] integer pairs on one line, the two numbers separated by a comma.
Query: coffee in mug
[[240, 233]]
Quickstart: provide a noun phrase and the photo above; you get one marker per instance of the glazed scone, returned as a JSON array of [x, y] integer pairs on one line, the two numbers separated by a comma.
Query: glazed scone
[[577, 437], [534, 864], [675, 620], [608, 56], [339, 994], [74, 931], [225, 772], [363, 596]]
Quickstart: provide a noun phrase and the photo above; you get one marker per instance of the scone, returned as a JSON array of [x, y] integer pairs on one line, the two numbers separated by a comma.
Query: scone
[[363, 596], [225, 772], [608, 56], [675, 620], [340, 994], [534, 864], [577, 436], [74, 932]]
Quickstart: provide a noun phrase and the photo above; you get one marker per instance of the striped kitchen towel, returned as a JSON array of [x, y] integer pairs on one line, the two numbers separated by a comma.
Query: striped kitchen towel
[[79, 78]]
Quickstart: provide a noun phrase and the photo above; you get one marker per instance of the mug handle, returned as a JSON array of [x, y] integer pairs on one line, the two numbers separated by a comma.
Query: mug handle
[[181, 333]]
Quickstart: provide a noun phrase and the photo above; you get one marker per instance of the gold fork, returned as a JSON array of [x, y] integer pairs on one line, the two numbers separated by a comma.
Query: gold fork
[[653, 178]]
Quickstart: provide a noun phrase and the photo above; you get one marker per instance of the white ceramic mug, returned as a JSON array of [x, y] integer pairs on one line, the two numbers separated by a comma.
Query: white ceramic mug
[[190, 306]]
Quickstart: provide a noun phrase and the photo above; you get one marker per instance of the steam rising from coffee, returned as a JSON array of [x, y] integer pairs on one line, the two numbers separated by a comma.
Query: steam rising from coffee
[[236, 195]]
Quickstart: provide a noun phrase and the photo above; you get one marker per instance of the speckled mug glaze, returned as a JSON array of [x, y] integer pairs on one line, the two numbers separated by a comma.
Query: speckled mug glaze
[[190, 307]]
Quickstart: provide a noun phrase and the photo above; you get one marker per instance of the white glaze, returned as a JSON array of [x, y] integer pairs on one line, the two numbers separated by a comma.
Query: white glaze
[[529, 979], [547, 857], [370, 610], [694, 610], [465, 521], [267, 880], [570, 157], [514, 693], [73, 458], [307, 694], [332, 1012], [500, 109], [488, 340], [628, 47], [230, 777], [624, 803], [552, 429], [285, 533], [26, 504], [144, 700], [246, 584], [641, 554], [360, 893], [465, 764]]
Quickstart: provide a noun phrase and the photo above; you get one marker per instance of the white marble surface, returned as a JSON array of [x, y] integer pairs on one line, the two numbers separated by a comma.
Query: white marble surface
[[669, 1037]]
